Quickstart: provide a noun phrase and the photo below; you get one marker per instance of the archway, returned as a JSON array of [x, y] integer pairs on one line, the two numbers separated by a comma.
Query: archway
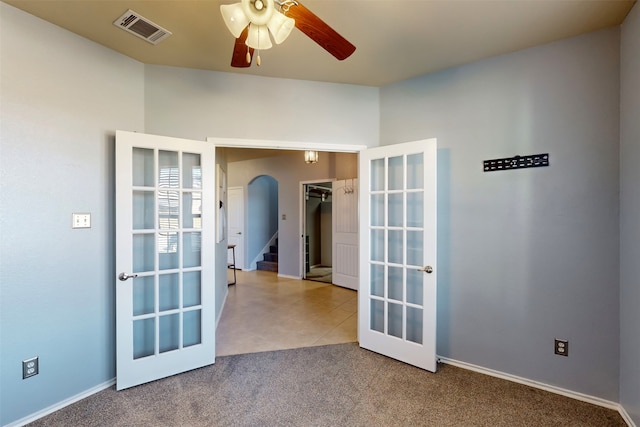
[[262, 224]]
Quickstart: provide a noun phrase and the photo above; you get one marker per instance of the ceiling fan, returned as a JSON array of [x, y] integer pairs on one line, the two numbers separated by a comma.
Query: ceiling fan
[[255, 22]]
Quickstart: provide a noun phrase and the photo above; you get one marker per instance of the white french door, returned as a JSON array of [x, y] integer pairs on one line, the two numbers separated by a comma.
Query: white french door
[[397, 296], [165, 242]]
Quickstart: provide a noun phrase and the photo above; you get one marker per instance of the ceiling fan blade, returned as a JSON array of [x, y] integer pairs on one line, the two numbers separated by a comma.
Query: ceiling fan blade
[[239, 57], [318, 31]]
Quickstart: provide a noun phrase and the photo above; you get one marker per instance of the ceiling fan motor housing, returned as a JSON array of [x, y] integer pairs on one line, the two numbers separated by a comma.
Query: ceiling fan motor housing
[[259, 12]]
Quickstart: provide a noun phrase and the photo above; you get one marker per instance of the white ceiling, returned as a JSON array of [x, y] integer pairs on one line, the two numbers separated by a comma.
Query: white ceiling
[[395, 39]]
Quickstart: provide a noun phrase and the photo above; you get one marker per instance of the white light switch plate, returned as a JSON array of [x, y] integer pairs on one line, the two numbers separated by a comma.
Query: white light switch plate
[[81, 220]]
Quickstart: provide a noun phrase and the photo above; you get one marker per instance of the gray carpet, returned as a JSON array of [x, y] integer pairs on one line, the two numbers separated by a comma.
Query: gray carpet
[[336, 385]]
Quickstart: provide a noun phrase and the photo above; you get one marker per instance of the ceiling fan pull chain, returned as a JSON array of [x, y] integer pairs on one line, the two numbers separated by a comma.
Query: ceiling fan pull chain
[[248, 55], [258, 61]]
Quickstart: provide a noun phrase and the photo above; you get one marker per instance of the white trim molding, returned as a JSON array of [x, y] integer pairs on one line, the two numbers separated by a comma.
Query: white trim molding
[[285, 145], [626, 417], [542, 386], [287, 276]]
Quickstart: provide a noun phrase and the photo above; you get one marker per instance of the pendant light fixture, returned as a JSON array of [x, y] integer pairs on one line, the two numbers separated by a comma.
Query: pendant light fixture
[[311, 156]]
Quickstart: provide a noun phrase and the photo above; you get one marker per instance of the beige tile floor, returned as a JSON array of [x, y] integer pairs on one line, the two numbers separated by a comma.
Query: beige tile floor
[[264, 312]]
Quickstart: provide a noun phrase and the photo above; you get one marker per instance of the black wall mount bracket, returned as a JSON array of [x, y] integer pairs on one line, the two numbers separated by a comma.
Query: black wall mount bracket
[[517, 162]]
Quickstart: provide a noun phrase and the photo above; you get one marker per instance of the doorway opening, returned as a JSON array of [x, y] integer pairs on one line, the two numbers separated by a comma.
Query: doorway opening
[[262, 305], [318, 230]]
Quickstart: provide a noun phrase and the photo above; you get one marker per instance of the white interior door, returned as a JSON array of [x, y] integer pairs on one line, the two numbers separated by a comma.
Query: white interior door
[[165, 232], [235, 201], [397, 297], [345, 233]]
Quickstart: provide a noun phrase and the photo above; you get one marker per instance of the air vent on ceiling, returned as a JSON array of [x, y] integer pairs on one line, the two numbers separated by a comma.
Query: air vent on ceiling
[[141, 27]]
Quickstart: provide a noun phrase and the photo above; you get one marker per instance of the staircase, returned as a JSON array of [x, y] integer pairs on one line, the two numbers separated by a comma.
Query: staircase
[[270, 262]]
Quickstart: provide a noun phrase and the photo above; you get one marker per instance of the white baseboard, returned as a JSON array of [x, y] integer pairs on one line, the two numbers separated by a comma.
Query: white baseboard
[[224, 301], [536, 384], [64, 403], [286, 276], [626, 417]]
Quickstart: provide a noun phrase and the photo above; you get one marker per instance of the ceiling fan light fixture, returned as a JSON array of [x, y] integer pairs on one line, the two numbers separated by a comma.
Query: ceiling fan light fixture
[[280, 27], [234, 17], [258, 37]]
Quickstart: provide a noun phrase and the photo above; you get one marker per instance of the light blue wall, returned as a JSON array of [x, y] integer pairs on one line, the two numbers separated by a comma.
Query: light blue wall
[[263, 210], [630, 216], [198, 104], [529, 255], [62, 99]]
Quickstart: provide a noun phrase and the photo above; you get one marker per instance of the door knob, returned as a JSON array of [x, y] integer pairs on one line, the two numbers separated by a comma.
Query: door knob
[[125, 276], [238, 232], [428, 269]]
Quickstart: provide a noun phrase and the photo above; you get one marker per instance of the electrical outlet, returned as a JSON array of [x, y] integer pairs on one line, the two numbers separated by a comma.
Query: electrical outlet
[[561, 347], [30, 367]]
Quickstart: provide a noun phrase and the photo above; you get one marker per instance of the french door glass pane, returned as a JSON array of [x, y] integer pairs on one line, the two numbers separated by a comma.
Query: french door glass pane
[[377, 210], [191, 171], [143, 210], [168, 173], [192, 328], [192, 249], [395, 247], [414, 286], [377, 315], [377, 175], [395, 283], [415, 209], [395, 320], [144, 336], [169, 332], [192, 209], [143, 295], [414, 324], [143, 171], [168, 250], [191, 288], [396, 173], [396, 210], [377, 280], [168, 210], [169, 292], [377, 245], [414, 248], [415, 171], [143, 252]]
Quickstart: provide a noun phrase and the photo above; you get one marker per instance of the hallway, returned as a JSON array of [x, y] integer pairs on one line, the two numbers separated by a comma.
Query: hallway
[[264, 312]]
